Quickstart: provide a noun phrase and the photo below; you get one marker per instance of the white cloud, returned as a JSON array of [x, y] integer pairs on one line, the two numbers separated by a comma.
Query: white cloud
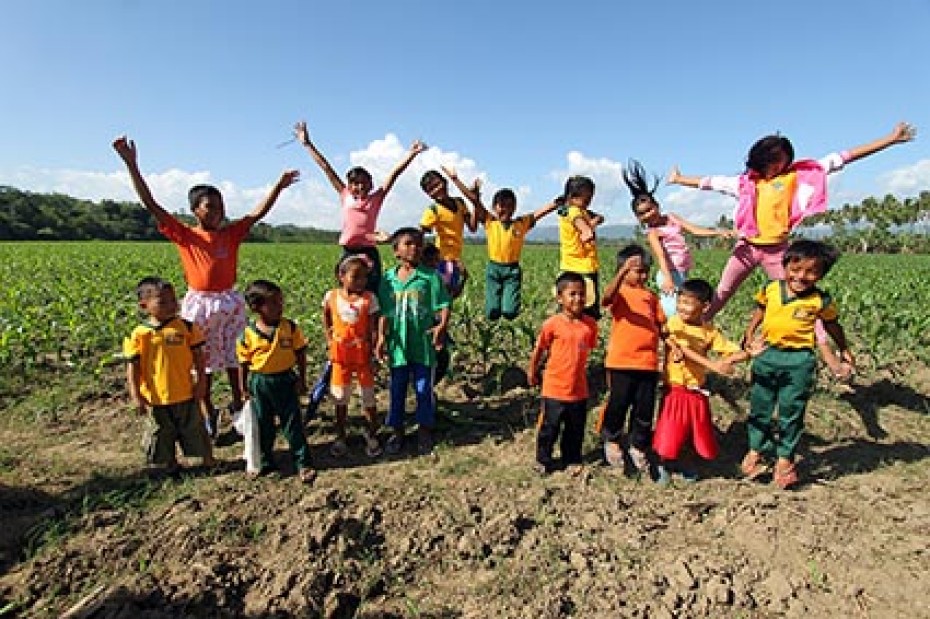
[[907, 181]]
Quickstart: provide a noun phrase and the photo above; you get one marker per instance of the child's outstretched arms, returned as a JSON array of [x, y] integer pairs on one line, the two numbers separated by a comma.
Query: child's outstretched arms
[[902, 132], [696, 230], [675, 177], [473, 193], [126, 149], [303, 136], [415, 149], [287, 178]]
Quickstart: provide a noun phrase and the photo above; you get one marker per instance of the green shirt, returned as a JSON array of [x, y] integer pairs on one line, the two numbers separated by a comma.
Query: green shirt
[[410, 308]]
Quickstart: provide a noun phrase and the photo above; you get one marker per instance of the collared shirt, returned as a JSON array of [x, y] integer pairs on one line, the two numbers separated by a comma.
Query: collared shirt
[[505, 240], [270, 353], [165, 354], [702, 338], [449, 227], [410, 308], [788, 321], [575, 255]]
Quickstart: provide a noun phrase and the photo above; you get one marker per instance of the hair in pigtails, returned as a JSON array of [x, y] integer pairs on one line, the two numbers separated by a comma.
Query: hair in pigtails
[[636, 179]]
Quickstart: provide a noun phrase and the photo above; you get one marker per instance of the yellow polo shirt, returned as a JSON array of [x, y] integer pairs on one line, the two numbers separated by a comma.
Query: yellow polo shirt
[[773, 207], [449, 227], [701, 339], [788, 322], [271, 354], [165, 353], [505, 240], [575, 255]]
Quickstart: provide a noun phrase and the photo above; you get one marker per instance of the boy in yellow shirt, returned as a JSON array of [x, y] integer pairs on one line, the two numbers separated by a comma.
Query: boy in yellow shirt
[[783, 374], [164, 355], [447, 217]]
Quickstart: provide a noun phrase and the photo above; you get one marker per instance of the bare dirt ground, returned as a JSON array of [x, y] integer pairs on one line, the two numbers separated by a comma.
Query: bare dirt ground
[[470, 531]]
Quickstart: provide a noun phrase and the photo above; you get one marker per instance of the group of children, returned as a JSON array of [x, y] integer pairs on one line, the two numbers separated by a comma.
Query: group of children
[[401, 316]]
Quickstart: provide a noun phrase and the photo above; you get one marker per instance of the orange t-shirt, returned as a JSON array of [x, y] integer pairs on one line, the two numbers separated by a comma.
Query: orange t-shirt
[[568, 342], [637, 318], [208, 257]]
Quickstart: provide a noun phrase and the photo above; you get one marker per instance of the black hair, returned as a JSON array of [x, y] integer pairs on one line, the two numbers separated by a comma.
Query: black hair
[[198, 192], [431, 176], [504, 195], [416, 233], [351, 260], [259, 291], [566, 278], [636, 179], [633, 249], [149, 286], [806, 249], [577, 185], [766, 151], [429, 252], [358, 174], [700, 289]]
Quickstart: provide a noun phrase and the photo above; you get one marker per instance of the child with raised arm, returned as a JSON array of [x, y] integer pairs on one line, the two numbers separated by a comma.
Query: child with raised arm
[[360, 202], [685, 415], [410, 298], [447, 217], [783, 373], [166, 377], [665, 233], [775, 194], [578, 239], [505, 237], [564, 344], [209, 256], [632, 360], [273, 354], [350, 320]]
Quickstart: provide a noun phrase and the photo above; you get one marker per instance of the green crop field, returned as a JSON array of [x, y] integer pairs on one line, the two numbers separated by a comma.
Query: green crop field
[[68, 305]]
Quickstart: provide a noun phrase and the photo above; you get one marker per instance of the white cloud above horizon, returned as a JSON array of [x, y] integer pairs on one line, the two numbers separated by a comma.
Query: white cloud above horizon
[[312, 202]]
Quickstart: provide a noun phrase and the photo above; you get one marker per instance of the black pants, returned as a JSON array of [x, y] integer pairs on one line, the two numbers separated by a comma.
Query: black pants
[[633, 393], [569, 417]]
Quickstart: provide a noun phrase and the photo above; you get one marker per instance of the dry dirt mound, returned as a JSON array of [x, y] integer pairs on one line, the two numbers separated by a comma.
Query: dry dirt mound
[[471, 531]]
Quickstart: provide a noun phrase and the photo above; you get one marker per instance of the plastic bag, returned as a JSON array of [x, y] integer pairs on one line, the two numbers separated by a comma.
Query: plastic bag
[[246, 424]]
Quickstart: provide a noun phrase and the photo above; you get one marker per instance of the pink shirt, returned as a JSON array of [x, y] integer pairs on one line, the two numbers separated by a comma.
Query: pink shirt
[[359, 218], [676, 248]]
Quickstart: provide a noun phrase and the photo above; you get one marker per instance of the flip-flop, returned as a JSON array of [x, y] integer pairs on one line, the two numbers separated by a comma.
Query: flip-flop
[[785, 476], [753, 466], [613, 453], [307, 476]]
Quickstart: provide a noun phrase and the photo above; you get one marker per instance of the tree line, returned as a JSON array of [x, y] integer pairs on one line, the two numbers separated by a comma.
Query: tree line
[[29, 216], [889, 225]]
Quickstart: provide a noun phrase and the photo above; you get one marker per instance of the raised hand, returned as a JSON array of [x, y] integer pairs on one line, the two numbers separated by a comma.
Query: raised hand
[[903, 132], [301, 133], [288, 178], [418, 147], [674, 176], [125, 148]]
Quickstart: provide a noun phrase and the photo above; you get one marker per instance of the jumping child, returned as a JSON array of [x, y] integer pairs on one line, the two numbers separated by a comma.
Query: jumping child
[[578, 239], [447, 217]]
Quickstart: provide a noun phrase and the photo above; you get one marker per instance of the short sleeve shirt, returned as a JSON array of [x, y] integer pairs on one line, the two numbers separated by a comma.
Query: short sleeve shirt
[[272, 353], [360, 218], [352, 325], [636, 322], [788, 321], [165, 353], [568, 343], [505, 240], [702, 338], [208, 257], [449, 227], [575, 255], [410, 308]]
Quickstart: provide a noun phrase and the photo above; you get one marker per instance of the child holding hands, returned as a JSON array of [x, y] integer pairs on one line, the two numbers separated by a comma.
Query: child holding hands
[[783, 373], [209, 256], [410, 298], [350, 320], [565, 342], [270, 349], [166, 377]]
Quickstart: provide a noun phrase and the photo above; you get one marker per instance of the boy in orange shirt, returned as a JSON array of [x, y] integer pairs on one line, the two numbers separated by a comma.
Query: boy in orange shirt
[[566, 339], [632, 361]]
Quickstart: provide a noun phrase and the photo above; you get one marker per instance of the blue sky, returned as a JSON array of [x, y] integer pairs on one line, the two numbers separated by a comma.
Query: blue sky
[[519, 93]]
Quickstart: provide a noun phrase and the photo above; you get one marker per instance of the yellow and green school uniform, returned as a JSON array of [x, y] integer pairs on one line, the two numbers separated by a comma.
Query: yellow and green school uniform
[[503, 275], [578, 257], [272, 384], [783, 375]]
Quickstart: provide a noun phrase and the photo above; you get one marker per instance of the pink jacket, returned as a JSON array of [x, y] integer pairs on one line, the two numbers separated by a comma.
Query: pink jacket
[[810, 196]]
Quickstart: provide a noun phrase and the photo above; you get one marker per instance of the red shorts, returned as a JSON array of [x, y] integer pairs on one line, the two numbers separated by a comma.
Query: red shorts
[[685, 414]]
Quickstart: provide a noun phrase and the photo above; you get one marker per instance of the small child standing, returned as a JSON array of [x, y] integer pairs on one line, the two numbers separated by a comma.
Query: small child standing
[[665, 233], [685, 415], [447, 217], [270, 348], [565, 341], [350, 320], [164, 355], [505, 238], [783, 373], [209, 256], [632, 360], [360, 202], [410, 298], [578, 240]]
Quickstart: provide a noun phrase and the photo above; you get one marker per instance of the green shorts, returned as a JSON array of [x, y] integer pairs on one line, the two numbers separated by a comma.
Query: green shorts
[[175, 423]]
